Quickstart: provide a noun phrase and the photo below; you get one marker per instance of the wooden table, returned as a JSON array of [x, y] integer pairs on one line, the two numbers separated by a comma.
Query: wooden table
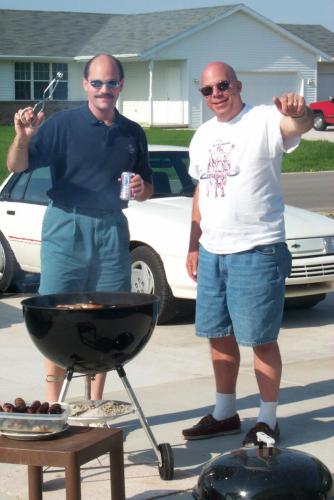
[[75, 447]]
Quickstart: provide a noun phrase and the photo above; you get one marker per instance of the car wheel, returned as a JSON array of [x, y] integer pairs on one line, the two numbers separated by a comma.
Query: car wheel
[[148, 276], [319, 122], [8, 264], [304, 302]]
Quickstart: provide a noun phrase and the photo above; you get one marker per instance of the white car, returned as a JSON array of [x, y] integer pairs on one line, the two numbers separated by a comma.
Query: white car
[[159, 230]]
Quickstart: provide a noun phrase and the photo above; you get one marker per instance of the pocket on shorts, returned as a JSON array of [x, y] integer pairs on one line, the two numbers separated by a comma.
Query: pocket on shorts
[[282, 255], [266, 249], [57, 225]]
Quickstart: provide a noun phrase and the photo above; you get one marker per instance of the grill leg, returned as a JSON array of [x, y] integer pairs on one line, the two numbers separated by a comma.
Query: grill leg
[[140, 414], [64, 388], [88, 387]]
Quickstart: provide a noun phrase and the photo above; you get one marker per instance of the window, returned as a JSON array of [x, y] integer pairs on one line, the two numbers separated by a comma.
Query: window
[[22, 80], [31, 79], [170, 173], [17, 187], [41, 79], [39, 184], [61, 91]]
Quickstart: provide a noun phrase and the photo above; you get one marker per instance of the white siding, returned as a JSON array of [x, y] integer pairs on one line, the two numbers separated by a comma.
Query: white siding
[[7, 89], [247, 45], [75, 76]]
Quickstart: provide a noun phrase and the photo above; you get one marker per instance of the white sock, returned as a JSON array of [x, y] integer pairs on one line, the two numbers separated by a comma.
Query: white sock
[[267, 413], [225, 406]]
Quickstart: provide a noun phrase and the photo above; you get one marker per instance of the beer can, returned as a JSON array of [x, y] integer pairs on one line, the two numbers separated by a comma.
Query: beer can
[[125, 186]]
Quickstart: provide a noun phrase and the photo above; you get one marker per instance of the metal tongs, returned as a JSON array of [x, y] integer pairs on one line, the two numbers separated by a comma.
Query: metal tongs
[[40, 105], [47, 96]]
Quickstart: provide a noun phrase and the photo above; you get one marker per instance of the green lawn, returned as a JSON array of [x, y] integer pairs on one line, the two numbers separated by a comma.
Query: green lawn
[[6, 136], [311, 156]]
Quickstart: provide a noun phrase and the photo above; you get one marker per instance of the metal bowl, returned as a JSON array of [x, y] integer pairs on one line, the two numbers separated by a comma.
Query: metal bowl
[[91, 340]]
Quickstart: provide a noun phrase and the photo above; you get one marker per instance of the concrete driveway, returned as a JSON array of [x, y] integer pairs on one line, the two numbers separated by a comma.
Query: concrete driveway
[[325, 135], [172, 379]]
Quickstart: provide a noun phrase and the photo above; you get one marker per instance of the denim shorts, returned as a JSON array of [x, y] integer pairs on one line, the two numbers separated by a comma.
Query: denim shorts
[[242, 293], [84, 251]]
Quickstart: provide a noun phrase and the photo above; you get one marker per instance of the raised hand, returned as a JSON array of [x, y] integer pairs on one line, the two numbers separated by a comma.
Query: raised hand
[[26, 122], [290, 104]]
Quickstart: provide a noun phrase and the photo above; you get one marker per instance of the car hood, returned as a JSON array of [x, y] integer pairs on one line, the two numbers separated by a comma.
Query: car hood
[[300, 223], [177, 208], [162, 223], [176, 211]]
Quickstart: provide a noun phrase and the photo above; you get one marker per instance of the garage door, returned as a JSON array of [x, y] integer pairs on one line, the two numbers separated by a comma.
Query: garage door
[[259, 88], [325, 86]]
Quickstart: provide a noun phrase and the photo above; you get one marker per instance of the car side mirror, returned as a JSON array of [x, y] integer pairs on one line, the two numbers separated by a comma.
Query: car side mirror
[[331, 98]]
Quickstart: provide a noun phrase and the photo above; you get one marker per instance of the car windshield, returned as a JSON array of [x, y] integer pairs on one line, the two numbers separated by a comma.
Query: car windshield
[[170, 174], [170, 178]]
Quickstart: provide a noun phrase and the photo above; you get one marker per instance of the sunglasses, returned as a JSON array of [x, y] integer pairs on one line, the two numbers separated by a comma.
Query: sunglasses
[[111, 84], [221, 86]]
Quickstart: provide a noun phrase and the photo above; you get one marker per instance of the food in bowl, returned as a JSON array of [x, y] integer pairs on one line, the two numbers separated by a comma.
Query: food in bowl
[[36, 417]]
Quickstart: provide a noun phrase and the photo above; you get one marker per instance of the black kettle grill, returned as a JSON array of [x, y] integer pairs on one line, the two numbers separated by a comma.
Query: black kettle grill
[[263, 473], [93, 340]]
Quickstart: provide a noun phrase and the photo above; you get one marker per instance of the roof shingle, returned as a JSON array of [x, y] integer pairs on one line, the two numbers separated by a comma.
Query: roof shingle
[[314, 34], [70, 34], [29, 33]]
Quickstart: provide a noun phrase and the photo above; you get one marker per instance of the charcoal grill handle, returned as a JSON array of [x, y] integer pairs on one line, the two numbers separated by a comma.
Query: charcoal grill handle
[[265, 440]]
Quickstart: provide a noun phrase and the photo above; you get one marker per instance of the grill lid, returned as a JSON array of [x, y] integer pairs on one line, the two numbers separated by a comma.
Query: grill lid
[[263, 474]]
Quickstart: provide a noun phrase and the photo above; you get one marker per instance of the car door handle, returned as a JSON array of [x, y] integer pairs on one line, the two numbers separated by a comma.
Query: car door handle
[[10, 212]]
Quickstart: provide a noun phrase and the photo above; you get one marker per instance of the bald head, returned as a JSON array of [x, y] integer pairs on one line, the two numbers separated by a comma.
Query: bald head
[[215, 67], [104, 58]]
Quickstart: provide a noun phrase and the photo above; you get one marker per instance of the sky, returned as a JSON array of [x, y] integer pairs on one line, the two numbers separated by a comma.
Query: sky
[[279, 11]]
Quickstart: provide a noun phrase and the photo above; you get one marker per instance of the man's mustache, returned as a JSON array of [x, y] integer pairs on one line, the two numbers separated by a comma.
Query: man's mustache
[[105, 95]]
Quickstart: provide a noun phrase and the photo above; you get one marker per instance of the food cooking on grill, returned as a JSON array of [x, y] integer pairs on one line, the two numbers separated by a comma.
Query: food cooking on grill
[[80, 305]]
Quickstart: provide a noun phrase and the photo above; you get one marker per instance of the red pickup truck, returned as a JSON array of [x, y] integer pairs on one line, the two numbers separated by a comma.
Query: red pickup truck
[[323, 113]]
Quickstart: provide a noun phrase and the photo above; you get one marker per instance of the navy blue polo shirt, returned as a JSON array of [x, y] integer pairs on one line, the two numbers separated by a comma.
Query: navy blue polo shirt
[[87, 157]]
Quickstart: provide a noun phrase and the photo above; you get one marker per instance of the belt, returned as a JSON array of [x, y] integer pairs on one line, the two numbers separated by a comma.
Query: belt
[[93, 212]]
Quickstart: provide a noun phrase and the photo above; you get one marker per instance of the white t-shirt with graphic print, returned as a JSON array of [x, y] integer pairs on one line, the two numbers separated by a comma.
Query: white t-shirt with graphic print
[[238, 166]]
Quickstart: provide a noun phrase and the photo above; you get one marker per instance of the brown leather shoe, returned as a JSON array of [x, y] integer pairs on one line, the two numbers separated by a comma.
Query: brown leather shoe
[[251, 438], [209, 427]]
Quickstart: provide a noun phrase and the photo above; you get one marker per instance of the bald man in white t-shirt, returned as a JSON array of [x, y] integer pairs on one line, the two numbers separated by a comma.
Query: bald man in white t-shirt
[[237, 251]]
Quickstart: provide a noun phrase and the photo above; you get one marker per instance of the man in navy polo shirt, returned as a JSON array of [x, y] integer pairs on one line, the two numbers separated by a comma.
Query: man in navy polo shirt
[[85, 236]]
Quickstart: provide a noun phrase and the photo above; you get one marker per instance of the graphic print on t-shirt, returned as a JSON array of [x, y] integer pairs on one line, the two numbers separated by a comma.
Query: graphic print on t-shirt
[[219, 168]]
